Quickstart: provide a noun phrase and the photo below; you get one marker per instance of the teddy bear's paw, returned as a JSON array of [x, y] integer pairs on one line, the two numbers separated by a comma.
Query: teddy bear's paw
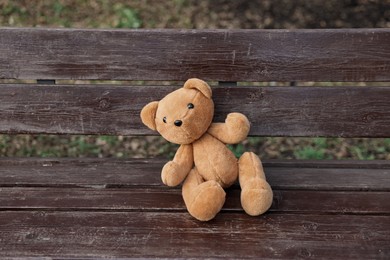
[[238, 125], [206, 201], [172, 174], [256, 196]]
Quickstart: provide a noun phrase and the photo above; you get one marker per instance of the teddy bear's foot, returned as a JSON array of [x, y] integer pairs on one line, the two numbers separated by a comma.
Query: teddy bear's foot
[[207, 200], [256, 197], [203, 199], [256, 194]]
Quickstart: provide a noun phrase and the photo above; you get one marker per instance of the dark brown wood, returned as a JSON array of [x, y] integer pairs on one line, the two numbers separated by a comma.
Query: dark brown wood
[[143, 218], [151, 234], [351, 164], [94, 208], [273, 111], [112, 173], [220, 55], [168, 199]]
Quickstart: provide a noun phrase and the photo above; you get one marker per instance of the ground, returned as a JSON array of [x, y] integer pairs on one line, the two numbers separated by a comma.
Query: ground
[[277, 14]]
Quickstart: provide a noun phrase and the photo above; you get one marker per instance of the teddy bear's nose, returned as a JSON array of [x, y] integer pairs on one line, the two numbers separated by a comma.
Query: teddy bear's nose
[[178, 123]]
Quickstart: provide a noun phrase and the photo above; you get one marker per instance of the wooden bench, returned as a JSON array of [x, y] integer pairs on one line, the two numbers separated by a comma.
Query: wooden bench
[[90, 208]]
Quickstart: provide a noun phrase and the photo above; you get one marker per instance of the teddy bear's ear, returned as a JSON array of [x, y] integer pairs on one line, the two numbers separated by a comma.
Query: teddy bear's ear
[[200, 85], [148, 114]]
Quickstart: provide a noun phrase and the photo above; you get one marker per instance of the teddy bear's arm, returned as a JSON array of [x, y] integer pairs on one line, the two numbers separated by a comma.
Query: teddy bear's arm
[[175, 171], [234, 130]]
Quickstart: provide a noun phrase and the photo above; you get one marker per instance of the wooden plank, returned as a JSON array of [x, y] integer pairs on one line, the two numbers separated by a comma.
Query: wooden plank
[[273, 111], [111, 173], [222, 55], [49, 161], [151, 234], [166, 199], [351, 164]]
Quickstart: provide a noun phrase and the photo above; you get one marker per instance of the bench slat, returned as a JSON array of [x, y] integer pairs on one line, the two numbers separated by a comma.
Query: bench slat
[[146, 234], [223, 55], [165, 199], [111, 173], [273, 111]]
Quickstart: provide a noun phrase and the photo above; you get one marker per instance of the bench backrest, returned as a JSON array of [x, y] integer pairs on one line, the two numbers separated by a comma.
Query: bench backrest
[[223, 56]]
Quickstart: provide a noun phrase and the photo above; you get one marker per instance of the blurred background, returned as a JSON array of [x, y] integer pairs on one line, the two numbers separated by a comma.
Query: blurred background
[[192, 14]]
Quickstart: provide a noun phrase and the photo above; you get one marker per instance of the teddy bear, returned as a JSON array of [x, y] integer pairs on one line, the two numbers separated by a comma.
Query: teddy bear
[[203, 162]]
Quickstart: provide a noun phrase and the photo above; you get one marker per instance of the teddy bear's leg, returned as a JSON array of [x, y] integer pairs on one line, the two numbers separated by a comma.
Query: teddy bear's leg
[[256, 193], [204, 199]]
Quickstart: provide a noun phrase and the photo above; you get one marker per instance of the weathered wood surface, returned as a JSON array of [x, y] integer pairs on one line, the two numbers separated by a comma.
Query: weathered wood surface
[[161, 234], [170, 200], [88, 208], [93, 208], [272, 111], [113, 173], [222, 55]]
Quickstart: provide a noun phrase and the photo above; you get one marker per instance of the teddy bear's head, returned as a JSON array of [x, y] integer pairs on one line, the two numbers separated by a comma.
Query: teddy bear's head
[[183, 115]]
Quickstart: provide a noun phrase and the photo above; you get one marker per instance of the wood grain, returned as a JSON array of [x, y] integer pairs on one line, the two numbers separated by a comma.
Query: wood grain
[[154, 199], [221, 55], [90, 208], [113, 173], [49, 161], [146, 234], [272, 111], [96, 208]]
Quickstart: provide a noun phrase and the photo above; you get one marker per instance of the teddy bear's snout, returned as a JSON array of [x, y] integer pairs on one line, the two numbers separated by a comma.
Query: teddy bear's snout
[[178, 123]]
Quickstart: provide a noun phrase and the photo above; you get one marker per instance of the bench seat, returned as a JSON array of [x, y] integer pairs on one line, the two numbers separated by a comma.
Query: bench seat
[[120, 208]]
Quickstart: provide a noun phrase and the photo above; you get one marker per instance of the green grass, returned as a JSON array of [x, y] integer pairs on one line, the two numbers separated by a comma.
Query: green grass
[[72, 13], [237, 149], [123, 147], [127, 17], [310, 153]]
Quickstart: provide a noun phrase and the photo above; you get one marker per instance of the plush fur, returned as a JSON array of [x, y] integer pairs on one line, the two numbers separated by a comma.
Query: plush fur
[[203, 161]]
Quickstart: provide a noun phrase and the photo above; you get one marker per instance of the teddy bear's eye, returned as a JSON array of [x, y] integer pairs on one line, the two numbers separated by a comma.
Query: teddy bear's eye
[[190, 106], [165, 119]]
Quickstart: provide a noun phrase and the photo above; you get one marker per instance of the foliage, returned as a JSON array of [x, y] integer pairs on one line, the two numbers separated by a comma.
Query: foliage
[[127, 17]]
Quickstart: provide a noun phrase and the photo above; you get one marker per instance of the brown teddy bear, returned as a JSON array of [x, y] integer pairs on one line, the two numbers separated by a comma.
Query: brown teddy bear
[[203, 161]]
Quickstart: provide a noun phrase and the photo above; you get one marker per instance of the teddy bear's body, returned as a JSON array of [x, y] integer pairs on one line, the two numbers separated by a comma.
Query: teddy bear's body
[[214, 161], [203, 161]]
